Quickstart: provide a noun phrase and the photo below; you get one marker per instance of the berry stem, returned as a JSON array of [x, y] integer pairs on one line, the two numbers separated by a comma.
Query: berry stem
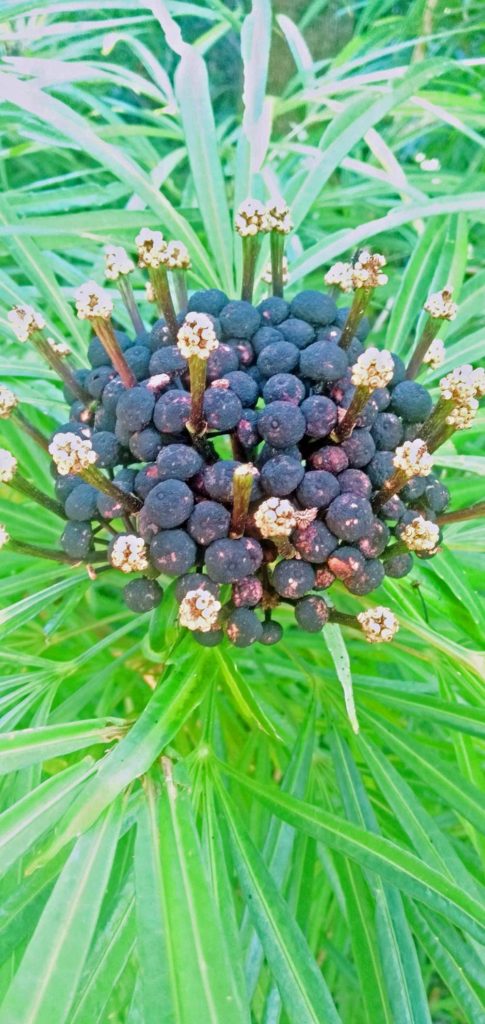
[[126, 292], [398, 548], [36, 551], [435, 429], [179, 278], [462, 514], [94, 476], [429, 332], [163, 298], [23, 486], [105, 333], [392, 486], [197, 372], [277, 248], [242, 485], [356, 312], [343, 619], [59, 366], [251, 245], [359, 401]]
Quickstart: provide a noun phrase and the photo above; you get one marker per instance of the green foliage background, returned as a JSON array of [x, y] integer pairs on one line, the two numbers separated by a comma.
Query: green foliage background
[[273, 865]]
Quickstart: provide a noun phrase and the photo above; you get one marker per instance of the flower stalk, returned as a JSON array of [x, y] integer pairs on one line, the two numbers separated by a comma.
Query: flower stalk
[[242, 485], [439, 307]]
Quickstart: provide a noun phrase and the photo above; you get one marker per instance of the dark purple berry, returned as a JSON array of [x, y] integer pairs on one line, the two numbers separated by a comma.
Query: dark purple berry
[[281, 475], [145, 444], [135, 407], [330, 458], [223, 360], [387, 431], [398, 566], [172, 412], [167, 360], [81, 503], [317, 489], [172, 552], [314, 542], [178, 462], [222, 409], [243, 386], [399, 371], [247, 430], [138, 359], [212, 638], [375, 540], [265, 336], [411, 401], [323, 360], [77, 539], [346, 562], [142, 595], [354, 481], [239, 319], [169, 503], [112, 393], [97, 354], [63, 485], [107, 448], [209, 521], [394, 508], [271, 634], [254, 552], [281, 424], [320, 414], [359, 448], [349, 517], [311, 613], [218, 479], [415, 488], [298, 332], [284, 387], [192, 581], [243, 627], [315, 307], [247, 593], [97, 380], [292, 578], [273, 310], [145, 480], [281, 357], [380, 468], [323, 579], [436, 495], [368, 579], [211, 301], [228, 561]]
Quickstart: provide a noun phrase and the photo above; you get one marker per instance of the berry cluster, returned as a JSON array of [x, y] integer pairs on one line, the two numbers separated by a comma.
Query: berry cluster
[[257, 454]]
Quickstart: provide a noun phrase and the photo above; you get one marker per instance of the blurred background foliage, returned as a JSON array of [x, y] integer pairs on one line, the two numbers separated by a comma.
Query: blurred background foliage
[[207, 891]]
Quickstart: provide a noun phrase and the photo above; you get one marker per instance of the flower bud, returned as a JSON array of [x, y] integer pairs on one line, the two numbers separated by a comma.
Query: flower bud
[[373, 369], [128, 553], [25, 321], [278, 217], [378, 624], [367, 270], [197, 336], [420, 535], [276, 517], [413, 458], [117, 262], [4, 536], [92, 302], [340, 276], [435, 355], [175, 256], [251, 218], [8, 466], [8, 402], [199, 610], [71, 453], [151, 246], [440, 306]]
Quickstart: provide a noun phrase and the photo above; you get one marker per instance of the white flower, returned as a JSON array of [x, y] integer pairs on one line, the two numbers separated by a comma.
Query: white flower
[[435, 355], [478, 378], [251, 218], [199, 610], [197, 336], [367, 270], [440, 306], [71, 453], [92, 302], [4, 536], [175, 256], [276, 517], [278, 217], [413, 458], [151, 246], [373, 369], [267, 275], [420, 534], [340, 276], [117, 262], [59, 347], [378, 624], [8, 402], [8, 466], [128, 553], [25, 321]]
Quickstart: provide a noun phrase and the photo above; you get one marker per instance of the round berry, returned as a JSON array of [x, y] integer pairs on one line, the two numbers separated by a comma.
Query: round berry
[[81, 503], [77, 539], [138, 359], [323, 579], [218, 479], [323, 360], [134, 408], [317, 489], [292, 578], [247, 429], [145, 444], [247, 593], [212, 638], [211, 302], [228, 561], [399, 371], [178, 462], [354, 481], [254, 552], [172, 412], [369, 579], [273, 310], [271, 634], [169, 503], [167, 360], [104, 420], [281, 357], [359, 448], [243, 386], [398, 566], [281, 475], [281, 424], [346, 562], [387, 431], [172, 552], [222, 409], [382, 398], [298, 332], [380, 468], [222, 360], [332, 458], [142, 595], [265, 336], [394, 508], [411, 401], [107, 448], [145, 480], [375, 540], [97, 380], [243, 627], [284, 387], [349, 517], [63, 485], [239, 319], [436, 495], [311, 613], [314, 542], [112, 393], [315, 307], [97, 354], [209, 521], [320, 414]]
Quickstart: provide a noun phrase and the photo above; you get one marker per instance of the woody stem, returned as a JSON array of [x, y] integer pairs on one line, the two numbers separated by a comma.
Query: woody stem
[[359, 401], [356, 312], [251, 246], [23, 486], [242, 485], [163, 298], [430, 330], [277, 248], [93, 475], [105, 332], [197, 372], [462, 514]]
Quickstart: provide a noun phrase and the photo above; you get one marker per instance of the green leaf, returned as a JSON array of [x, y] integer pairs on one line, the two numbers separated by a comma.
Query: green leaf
[[449, 969], [242, 694], [30, 746], [332, 634]]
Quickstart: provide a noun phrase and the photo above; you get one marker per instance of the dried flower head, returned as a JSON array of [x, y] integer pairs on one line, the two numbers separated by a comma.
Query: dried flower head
[[128, 553], [413, 458], [435, 355], [151, 246], [175, 256], [92, 302], [340, 276], [460, 387], [25, 321], [8, 402], [71, 453], [278, 217], [478, 377], [276, 517], [197, 336], [462, 416], [199, 610], [421, 535], [440, 306], [4, 536], [267, 275], [251, 218], [60, 348], [117, 262], [367, 270], [373, 369], [379, 624], [8, 466]]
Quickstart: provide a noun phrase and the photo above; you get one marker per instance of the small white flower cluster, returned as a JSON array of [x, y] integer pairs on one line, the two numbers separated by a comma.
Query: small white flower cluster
[[461, 387], [276, 517], [175, 256], [246, 469], [197, 336], [4, 536], [267, 275], [25, 321], [60, 348], [151, 247], [278, 217], [251, 218], [373, 369], [379, 624], [199, 610], [367, 270], [340, 276], [421, 535], [93, 302], [8, 466], [117, 262], [440, 305], [8, 402], [435, 355], [128, 553], [413, 458], [71, 453]]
